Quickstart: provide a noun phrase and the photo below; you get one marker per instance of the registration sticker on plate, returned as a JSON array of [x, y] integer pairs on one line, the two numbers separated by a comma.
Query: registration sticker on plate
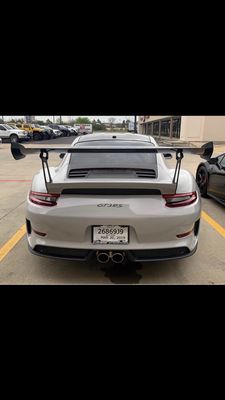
[[110, 234]]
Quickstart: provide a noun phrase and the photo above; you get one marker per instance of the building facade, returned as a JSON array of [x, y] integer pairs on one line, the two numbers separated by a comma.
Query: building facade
[[187, 128]]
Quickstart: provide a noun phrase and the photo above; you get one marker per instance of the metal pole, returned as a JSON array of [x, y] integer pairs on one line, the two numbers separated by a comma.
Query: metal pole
[[2, 118], [135, 124], [53, 119], [60, 119]]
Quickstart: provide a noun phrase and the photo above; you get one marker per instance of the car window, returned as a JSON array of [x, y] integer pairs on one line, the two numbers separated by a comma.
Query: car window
[[113, 160], [2, 128], [222, 161]]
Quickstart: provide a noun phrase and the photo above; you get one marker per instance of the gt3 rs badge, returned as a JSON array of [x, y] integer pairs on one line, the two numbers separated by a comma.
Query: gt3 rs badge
[[110, 205]]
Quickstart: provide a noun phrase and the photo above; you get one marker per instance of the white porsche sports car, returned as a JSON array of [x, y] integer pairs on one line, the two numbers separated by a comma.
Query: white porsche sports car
[[113, 197]]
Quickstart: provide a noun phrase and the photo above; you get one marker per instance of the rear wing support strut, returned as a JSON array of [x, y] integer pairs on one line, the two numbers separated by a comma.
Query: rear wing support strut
[[44, 161], [179, 157]]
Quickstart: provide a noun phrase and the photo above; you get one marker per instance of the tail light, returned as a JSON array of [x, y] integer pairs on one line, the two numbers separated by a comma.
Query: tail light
[[44, 199], [180, 200]]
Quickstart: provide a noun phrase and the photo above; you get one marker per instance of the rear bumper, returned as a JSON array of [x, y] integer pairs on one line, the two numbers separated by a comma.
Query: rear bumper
[[132, 255]]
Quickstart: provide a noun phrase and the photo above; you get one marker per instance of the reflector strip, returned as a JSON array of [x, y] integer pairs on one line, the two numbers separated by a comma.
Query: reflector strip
[[39, 233]]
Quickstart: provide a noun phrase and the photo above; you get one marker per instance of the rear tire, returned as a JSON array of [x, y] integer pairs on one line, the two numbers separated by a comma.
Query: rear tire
[[14, 139], [202, 180]]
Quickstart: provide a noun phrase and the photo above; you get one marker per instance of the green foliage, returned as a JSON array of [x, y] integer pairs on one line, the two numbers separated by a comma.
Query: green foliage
[[14, 121], [39, 122], [98, 125], [82, 120]]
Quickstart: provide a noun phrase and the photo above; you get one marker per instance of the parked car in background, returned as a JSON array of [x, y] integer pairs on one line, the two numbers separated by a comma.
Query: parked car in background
[[40, 133], [210, 178], [72, 130], [65, 131], [57, 133], [53, 132], [35, 131], [48, 132], [14, 135], [13, 126]]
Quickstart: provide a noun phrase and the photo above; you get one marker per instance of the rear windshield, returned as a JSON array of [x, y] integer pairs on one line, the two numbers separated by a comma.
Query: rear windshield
[[113, 160]]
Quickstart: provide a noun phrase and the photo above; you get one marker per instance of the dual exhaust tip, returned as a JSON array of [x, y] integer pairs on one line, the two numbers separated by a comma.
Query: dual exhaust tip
[[105, 257]]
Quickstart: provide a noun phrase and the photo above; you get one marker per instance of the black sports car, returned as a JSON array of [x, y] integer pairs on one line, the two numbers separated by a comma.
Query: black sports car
[[210, 177]]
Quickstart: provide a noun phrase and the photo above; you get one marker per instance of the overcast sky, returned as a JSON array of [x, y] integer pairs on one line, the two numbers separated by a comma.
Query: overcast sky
[[103, 118]]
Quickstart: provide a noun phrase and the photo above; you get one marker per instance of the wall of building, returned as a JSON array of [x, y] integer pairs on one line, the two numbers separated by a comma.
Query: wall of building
[[192, 128], [196, 128], [203, 128], [214, 128]]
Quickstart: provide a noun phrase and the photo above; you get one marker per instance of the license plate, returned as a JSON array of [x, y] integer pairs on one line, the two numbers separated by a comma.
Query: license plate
[[110, 234]]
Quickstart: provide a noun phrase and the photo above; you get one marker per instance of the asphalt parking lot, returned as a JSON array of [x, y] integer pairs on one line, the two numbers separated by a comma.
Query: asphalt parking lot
[[18, 266]]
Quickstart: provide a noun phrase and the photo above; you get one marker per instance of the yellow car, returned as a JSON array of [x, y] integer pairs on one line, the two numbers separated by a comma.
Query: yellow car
[[35, 131]]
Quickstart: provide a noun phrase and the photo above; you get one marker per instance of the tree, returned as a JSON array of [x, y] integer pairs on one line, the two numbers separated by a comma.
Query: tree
[[111, 121], [82, 120], [48, 121], [39, 122], [98, 125]]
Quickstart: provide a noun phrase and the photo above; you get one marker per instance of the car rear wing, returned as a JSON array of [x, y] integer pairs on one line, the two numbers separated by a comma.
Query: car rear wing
[[19, 151]]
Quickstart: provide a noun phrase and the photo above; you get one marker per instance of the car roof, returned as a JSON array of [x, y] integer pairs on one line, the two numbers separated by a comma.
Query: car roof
[[121, 136]]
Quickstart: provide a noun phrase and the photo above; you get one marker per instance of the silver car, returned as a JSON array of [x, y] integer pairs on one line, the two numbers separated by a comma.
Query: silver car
[[13, 134], [114, 198]]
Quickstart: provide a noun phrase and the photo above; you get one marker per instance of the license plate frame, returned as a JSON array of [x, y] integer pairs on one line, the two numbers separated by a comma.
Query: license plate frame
[[113, 241]]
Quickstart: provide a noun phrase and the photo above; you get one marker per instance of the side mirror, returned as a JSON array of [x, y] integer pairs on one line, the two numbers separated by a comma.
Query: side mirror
[[61, 155], [168, 156]]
